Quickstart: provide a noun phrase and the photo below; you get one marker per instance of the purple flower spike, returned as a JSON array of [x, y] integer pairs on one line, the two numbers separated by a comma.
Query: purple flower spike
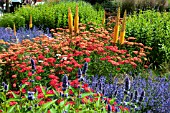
[[131, 96], [136, 96], [109, 108], [127, 84], [6, 87], [33, 64], [142, 96], [65, 82], [79, 73], [85, 67], [31, 95]]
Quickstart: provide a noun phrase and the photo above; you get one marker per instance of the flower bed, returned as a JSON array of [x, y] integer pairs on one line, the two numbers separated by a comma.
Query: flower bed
[[57, 74]]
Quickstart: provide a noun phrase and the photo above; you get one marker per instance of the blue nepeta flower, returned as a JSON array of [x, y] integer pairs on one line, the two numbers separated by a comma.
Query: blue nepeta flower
[[142, 96], [31, 95], [127, 85], [151, 94], [85, 68], [65, 82], [109, 108], [79, 73], [33, 64]]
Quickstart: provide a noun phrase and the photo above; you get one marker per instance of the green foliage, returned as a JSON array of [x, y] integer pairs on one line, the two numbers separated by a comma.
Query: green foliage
[[152, 29], [55, 15], [111, 6], [96, 1], [10, 19]]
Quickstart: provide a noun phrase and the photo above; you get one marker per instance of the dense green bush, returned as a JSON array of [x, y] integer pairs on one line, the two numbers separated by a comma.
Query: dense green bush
[[10, 19], [96, 1], [134, 5], [152, 29], [55, 15]]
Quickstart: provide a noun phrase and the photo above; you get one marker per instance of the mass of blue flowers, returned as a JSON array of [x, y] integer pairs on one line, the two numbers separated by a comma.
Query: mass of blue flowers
[[7, 34], [143, 95]]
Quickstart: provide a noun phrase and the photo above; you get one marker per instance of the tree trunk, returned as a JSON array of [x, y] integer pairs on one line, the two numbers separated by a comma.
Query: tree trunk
[[7, 6]]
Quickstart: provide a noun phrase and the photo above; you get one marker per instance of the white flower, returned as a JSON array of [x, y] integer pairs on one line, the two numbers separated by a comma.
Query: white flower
[[57, 55], [17, 40], [64, 58], [40, 61]]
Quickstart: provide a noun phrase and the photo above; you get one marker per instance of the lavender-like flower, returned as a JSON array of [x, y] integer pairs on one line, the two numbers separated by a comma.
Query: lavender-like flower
[[156, 92], [65, 82], [109, 108], [3, 83], [85, 68], [136, 96], [36, 105], [6, 87], [31, 95], [131, 96], [33, 64], [79, 73], [142, 96], [32, 80], [127, 84], [62, 94], [30, 108], [115, 93]]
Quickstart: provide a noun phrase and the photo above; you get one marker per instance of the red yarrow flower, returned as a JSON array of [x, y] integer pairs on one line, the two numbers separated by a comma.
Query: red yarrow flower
[[52, 76], [50, 92], [87, 59], [14, 76], [38, 77], [12, 103], [41, 57], [40, 95]]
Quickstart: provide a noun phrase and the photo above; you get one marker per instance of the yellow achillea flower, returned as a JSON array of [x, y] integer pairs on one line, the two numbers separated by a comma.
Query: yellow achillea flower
[[76, 21], [30, 24], [116, 28], [122, 32], [70, 20]]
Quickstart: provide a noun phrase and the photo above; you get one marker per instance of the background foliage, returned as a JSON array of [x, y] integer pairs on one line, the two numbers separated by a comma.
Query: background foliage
[[53, 15], [152, 29]]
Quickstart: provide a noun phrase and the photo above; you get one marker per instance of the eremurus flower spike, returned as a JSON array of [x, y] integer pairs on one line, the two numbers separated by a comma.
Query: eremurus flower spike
[[70, 20], [14, 28], [104, 18], [76, 21], [122, 32], [116, 28], [30, 23]]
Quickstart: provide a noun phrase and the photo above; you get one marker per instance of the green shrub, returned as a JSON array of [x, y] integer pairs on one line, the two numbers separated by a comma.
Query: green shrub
[[135, 5], [10, 19], [55, 15], [152, 29]]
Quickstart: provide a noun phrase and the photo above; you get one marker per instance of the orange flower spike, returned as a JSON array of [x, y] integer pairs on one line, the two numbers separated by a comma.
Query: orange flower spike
[[122, 32], [76, 21], [116, 28], [30, 23], [14, 28], [70, 20]]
